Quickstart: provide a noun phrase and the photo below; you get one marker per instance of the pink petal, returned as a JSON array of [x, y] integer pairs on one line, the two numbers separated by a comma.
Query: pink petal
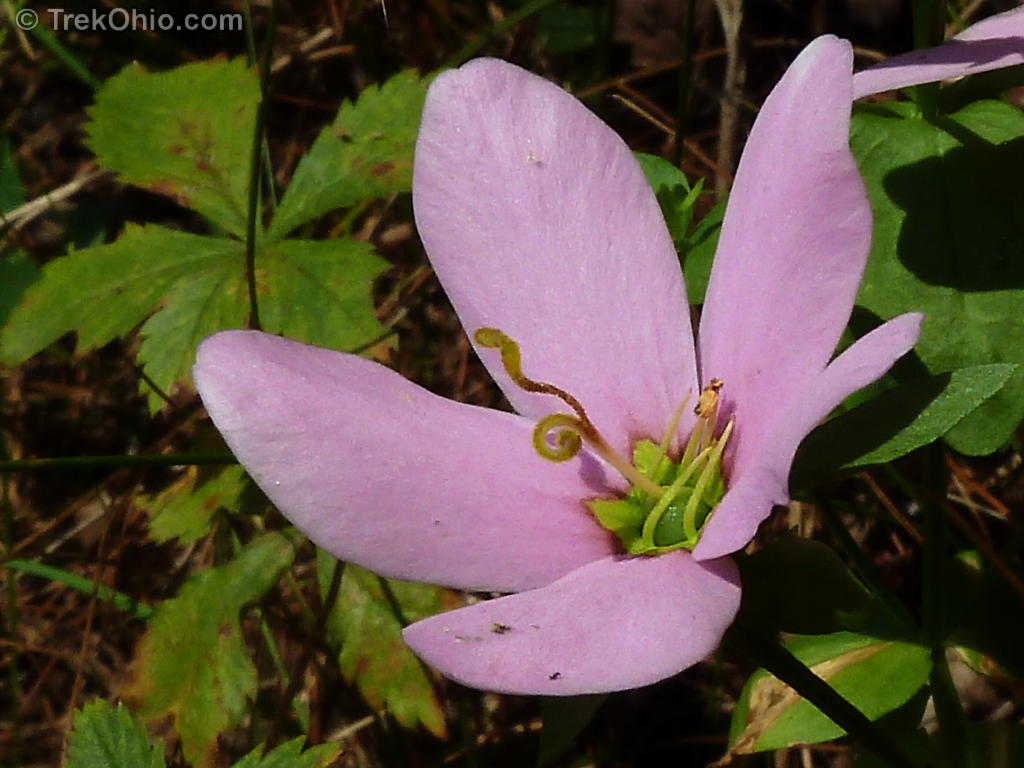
[[382, 473], [539, 222], [994, 43], [793, 247], [763, 480], [614, 624]]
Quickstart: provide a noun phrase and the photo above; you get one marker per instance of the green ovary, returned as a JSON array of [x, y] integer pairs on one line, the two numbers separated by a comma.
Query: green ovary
[[692, 488]]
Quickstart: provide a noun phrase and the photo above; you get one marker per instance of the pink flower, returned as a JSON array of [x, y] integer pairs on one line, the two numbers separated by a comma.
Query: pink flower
[[538, 222]]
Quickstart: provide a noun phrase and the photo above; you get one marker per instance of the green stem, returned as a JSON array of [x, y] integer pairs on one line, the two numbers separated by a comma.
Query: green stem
[[929, 16], [117, 461], [685, 77], [120, 600], [496, 30], [769, 654], [255, 167], [13, 671], [948, 711]]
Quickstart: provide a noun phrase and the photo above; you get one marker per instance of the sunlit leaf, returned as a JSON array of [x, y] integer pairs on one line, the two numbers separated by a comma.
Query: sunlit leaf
[[876, 677], [107, 291], [365, 153], [290, 755], [185, 509], [192, 663], [186, 133], [366, 623], [319, 291], [103, 736], [949, 234]]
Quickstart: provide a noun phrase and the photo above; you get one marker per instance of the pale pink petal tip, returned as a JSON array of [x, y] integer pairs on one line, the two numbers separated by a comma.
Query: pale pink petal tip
[[764, 481], [615, 624], [382, 473], [994, 43]]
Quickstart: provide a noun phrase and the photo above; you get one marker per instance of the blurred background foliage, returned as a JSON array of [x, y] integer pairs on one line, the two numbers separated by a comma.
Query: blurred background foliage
[[159, 185]]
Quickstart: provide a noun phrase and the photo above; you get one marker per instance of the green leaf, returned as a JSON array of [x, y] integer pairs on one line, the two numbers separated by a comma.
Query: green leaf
[[985, 614], [949, 231], [366, 623], [822, 595], [185, 509], [192, 663], [186, 133], [329, 282], [106, 737], [290, 755], [318, 292], [365, 153], [876, 677], [104, 292], [564, 718], [896, 422], [566, 28], [699, 258]]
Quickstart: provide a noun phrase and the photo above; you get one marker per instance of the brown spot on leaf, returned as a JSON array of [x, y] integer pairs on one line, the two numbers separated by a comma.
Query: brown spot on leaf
[[500, 629], [380, 169]]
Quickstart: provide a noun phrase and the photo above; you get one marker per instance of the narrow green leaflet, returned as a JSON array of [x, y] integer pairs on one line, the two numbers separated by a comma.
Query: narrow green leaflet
[[103, 736], [876, 677], [104, 292], [821, 594], [319, 291], [185, 509], [290, 755], [896, 422], [949, 234], [365, 153], [367, 626], [186, 133], [192, 663]]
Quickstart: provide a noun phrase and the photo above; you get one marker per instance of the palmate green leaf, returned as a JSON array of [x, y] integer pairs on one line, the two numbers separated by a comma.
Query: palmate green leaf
[[290, 755], [104, 292], [367, 625], [192, 663], [185, 509], [186, 133], [103, 736], [949, 234], [318, 291], [876, 677], [896, 422], [365, 153], [314, 291]]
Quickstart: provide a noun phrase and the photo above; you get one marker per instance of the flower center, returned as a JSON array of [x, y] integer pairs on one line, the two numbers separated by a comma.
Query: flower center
[[669, 500]]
